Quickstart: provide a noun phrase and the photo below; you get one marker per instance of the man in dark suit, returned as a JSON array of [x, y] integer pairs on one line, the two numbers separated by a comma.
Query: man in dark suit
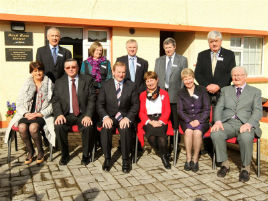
[[136, 66], [213, 71], [73, 104], [52, 55], [168, 69], [237, 114], [117, 106]]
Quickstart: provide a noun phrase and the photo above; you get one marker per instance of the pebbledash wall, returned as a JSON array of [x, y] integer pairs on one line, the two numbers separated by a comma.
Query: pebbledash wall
[[189, 20]]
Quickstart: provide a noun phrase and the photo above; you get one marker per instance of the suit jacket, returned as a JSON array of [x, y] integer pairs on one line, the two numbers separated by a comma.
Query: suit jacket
[[86, 96], [142, 67], [53, 71], [164, 114], [175, 83], [107, 100], [222, 73], [248, 108]]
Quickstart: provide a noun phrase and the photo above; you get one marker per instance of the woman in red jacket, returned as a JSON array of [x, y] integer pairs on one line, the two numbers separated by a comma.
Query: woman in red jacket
[[154, 114]]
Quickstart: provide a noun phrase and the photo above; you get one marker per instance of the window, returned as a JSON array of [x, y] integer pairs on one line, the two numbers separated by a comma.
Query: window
[[248, 53]]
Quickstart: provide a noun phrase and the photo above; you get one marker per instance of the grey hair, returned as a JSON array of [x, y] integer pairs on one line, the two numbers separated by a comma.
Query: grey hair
[[239, 67], [214, 35], [169, 40], [54, 29]]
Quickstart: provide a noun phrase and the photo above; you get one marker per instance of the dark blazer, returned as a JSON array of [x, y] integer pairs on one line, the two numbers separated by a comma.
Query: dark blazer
[[53, 71], [222, 74], [107, 100], [190, 108], [175, 83], [248, 108], [86, 96], [142, 67]]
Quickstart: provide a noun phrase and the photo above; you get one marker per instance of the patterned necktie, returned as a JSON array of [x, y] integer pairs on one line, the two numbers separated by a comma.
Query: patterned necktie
[[76, 110], [132, 69], [169, 65], [118, 93], [54, 54], [214, 62], [238, 92]]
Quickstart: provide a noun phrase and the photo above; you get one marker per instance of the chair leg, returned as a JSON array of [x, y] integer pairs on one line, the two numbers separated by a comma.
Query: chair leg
[[93, 152], [9, 148], [258, 157], [175, 146], [136, 150], [50, 152], [16, 140], [214, 159]]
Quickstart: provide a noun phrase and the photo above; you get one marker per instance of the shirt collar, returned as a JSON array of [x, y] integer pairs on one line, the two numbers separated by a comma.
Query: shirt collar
[[116, 82], [211, 52], [130, 57], [70, 79], [242, 87], [172, 57], [51, 46]]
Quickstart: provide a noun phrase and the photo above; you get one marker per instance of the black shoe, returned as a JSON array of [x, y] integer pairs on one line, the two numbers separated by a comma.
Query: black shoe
[[195, 167], [223, 171], [244, 176], [165, 161], [106, 165], [126, 167], [85, 160], [187, 166], [64, 160]]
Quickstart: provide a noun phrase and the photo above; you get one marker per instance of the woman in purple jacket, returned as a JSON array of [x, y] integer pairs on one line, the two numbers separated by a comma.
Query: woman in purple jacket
[[193, 111]]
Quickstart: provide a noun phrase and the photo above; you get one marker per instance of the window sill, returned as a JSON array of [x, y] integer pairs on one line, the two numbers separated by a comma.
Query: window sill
[[257, 80]]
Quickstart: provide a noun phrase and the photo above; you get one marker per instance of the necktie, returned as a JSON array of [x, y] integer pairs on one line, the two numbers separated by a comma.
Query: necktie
[[118, 93], [238, 92], [54, 54], [132, 69], [169, 65], [214, 62], [76, 110]]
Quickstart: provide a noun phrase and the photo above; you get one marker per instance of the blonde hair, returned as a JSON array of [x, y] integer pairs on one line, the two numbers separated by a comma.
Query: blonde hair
[[93, 47], [187, 72], [132, 41]]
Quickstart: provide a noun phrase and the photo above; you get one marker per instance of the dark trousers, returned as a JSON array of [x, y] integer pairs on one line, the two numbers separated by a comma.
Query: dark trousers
[[62, 135], [125, 140]]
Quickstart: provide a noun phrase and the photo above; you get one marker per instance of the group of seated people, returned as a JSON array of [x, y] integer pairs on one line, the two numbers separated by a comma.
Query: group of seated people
[[107, 97]]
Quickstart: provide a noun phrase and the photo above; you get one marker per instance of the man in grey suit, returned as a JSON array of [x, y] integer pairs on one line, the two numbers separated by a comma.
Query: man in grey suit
[[237, 114], [168, 69]]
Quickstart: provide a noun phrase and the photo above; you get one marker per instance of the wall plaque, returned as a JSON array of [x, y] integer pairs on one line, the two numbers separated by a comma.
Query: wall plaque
[[15, 38], [19, 54]]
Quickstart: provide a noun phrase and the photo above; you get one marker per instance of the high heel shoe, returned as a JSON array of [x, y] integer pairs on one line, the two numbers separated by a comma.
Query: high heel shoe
[[40, 160], [29, 160]]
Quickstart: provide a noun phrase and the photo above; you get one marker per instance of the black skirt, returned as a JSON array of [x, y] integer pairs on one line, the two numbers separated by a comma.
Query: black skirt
[[39, 120], [155, 131]]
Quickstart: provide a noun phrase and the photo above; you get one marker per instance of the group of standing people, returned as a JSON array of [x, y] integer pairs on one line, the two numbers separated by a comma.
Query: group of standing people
[[128, 96]]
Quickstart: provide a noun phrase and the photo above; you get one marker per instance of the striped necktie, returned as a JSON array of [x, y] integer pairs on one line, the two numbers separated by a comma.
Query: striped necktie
[[118, 93]]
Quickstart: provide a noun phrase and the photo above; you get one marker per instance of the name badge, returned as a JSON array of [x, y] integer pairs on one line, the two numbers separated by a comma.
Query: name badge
[[220, 59], [103, 66], [162, 97], [138, 64], [174, 65], [60, 55]]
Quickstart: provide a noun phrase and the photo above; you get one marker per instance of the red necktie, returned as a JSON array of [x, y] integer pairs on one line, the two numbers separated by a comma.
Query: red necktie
[[76, 110]]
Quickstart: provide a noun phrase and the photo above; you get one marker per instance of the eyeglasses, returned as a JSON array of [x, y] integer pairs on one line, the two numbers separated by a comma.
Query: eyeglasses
[[70, 67]]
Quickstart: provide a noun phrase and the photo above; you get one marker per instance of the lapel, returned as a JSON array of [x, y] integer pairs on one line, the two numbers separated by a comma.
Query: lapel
[[59, 57], [65, 89], [208, 62], [218, 63], [113, 90], [138, 69], [233, 94], [176, 61], [80, 87], [124, 91], [244, 95], [49, 56], [125, 60]]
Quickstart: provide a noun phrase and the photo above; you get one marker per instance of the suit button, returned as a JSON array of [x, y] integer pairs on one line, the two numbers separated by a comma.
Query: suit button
[[192, 105]]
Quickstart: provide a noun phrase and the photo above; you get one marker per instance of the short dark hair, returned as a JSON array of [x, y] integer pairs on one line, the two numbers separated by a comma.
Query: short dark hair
[[150, 75], [70, 60], [119, 63], [36, 65]]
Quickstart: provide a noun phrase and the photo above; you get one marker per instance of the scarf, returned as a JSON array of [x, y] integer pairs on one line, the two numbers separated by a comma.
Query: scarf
[[154, 95], [95, 72]]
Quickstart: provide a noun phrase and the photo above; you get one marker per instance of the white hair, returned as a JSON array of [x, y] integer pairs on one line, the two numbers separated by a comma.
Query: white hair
[[239, 67], [52, 29], [214, 35]]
